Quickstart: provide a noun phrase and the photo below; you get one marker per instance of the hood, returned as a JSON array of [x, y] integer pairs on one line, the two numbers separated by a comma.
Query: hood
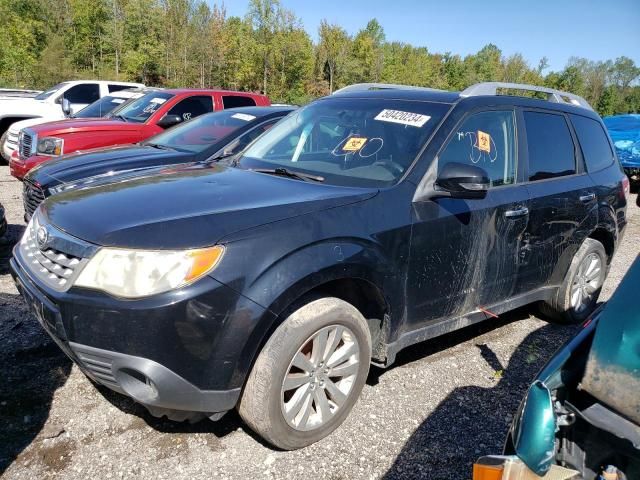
[[101, 162], [613, 366], [84, 125], [29, 122], [26, 106], [188, 208]]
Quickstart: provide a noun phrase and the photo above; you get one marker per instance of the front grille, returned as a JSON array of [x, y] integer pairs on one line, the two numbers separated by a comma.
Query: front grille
[[46, 260], [32, 196], [97, 364], [26, 143]]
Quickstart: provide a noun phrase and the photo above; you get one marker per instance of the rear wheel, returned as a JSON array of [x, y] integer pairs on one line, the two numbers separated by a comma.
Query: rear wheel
[[578, 295], [309, 374]]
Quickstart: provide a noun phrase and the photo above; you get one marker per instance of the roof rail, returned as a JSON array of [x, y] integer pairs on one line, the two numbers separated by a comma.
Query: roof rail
[[557, 96], [361, 87]]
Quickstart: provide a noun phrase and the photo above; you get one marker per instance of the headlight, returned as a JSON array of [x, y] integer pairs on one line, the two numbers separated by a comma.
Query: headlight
[[50, 146], [140, 273]]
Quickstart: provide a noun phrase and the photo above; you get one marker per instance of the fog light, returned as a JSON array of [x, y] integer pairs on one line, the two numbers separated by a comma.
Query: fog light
[[137, 385]]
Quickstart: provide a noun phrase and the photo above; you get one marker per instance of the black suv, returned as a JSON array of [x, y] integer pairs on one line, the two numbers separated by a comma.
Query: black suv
[[365, 222]]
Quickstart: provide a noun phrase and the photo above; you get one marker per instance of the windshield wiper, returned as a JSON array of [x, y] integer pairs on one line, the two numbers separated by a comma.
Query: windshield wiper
[[283, 172], [120, 117], [159, 146]]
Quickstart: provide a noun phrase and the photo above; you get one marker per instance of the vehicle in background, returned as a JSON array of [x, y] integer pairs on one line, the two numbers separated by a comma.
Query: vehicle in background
[[581, 415], [365, 222], [206, 139], [18, 92], [48, 104], [625, 132], [99, 108], [3, 222], [137, 121]]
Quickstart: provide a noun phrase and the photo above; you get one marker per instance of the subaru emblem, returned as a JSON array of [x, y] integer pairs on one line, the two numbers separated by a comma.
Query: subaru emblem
[[42, 236]]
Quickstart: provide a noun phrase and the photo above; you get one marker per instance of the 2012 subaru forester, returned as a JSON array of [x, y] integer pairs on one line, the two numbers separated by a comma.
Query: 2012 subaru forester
[[365, 222]]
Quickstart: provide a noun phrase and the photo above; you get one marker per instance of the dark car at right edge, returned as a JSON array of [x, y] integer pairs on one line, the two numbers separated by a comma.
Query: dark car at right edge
[[362, 223]]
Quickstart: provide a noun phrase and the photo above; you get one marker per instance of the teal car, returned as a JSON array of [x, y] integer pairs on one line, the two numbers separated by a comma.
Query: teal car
[[580, 418]]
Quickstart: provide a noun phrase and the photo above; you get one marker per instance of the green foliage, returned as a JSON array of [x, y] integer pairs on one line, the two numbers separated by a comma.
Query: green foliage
[[192, 43]]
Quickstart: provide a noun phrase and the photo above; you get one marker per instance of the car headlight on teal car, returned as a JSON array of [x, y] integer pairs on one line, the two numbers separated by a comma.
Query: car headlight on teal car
[[141, 273], [50, 146]]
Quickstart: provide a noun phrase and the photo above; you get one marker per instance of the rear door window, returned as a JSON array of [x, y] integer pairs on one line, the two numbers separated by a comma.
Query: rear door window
[[233, 101], [594, 143], [116, 88], [550, 146], [486, 140], [192, 107]]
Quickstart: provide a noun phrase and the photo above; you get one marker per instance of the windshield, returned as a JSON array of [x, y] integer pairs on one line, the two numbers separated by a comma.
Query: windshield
[[140, 110], [47, 93], [204, 131], [101, 107], [354, 142]]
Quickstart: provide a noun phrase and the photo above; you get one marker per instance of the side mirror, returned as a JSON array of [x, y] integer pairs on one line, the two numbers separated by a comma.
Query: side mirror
[[534, 431], [461, 180], [66, 107], [169, 121]]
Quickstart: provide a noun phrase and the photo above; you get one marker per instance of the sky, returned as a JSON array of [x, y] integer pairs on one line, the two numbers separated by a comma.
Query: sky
[[597, 30]]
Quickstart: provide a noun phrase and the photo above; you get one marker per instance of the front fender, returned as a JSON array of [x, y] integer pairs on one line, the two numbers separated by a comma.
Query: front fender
[[289, 277]]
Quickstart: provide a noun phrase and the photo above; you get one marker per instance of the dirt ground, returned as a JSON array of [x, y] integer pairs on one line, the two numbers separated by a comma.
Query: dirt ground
[[442, 405]]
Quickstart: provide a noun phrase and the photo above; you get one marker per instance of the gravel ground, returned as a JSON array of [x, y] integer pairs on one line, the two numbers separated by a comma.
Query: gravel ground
[[445, 403]]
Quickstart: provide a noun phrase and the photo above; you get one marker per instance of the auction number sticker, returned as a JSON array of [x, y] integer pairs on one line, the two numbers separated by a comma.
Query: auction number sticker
[[159, 101], [243, 116], [403, 118]]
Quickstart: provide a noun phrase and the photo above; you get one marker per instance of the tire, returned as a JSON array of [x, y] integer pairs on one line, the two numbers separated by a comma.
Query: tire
[[3, 160], [563, 306], [265, 399]]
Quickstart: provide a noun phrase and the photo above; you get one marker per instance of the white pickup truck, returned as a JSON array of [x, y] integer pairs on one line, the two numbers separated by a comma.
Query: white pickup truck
[[47, 105]]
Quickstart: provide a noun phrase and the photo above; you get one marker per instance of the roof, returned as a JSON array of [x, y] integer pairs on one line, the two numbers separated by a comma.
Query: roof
[[208, 91], [261, 111]]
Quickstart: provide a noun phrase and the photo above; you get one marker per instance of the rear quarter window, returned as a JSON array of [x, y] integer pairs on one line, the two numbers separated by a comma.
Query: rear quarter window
[[594, 143], [233, 101]]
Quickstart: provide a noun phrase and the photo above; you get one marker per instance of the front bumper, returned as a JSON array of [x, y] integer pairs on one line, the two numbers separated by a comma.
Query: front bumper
[[177, 352]]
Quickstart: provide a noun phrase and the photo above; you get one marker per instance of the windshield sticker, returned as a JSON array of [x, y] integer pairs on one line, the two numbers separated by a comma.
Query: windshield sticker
[[243, 116], [354, 144], [159, 101], [484, 141], [117, 100], [152, 107], [403, 118]]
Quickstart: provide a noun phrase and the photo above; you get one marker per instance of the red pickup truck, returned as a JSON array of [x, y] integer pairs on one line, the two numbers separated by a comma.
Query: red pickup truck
[[137, 121]]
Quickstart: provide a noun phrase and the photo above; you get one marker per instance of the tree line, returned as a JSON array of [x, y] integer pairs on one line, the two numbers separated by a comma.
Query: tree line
[[188, 43]]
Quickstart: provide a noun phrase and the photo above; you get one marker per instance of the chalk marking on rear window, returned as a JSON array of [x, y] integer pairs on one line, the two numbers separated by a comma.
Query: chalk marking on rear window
[[403, 118], [243, 116]]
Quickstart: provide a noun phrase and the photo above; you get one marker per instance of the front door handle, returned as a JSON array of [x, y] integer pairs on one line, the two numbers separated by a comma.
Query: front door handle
[[518, 212], [587, 197]]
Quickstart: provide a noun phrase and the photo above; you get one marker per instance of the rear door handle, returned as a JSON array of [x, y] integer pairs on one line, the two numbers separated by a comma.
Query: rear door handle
[[518, 212], [588, 197]]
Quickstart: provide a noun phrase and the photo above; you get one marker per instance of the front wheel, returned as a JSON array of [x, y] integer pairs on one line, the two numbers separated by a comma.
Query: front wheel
[[309, 374], [578, 294]]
